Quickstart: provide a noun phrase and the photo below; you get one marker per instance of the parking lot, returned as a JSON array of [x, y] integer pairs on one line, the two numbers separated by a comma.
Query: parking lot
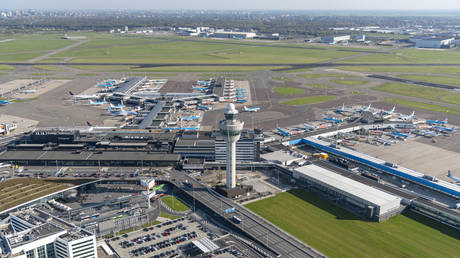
[[162, 240]]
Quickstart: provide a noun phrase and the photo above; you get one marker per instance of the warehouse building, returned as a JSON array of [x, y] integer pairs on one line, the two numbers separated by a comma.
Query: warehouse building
[[358, 197], [233, 35], [435, 42], [35, 233], [335, 39]]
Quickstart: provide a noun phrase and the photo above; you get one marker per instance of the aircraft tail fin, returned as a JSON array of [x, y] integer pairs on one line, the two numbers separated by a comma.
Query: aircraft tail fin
[[71, 93], [89, 124], [449, 174]]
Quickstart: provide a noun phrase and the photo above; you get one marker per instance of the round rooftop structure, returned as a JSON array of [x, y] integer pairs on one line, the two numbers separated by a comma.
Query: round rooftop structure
[[231, 112]]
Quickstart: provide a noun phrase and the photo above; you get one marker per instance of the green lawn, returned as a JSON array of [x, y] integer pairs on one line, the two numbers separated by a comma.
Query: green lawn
[[422, 105], [422, 92], [404, 69], [338, 233], [319, 86], [434, 79], [308, 100], [6, 68], [321, 75], [349, 82], [194, 51], [174, 203], [289, 91], [169, 216], [409, 56]]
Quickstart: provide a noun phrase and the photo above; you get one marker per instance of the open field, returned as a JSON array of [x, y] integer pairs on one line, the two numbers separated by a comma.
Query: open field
[[121, 68], [349, 82], [25, 49], [434, 79], [19, 190], [308, 100], [408, 56], [289, 91], [6, 68], [338, 233], [403, 69], [321, 75], [195, 51], [422, 92], [319, 86], [169, 216], [174, 203], [422, 105]]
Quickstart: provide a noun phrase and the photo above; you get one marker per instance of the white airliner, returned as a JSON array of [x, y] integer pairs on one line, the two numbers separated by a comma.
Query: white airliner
[[83, 97], [254, 109], [389, 112], [408, 117]]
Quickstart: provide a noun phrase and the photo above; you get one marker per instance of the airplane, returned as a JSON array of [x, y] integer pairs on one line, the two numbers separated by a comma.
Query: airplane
[[399, 134], [89, 124], [4, 102], [199, 88], [29, 91], [205, 108], [408, 117], [254, 109], [389, 112], [341, 109], [191, 117], [242, 100], [456, 179], [447, 130], [97, 103], [122, 112], [119, 106], [282, 131], [241, 95], [437, 122], [428, 134], [368, 108], [309, 127], [332, 119], [82, 97]]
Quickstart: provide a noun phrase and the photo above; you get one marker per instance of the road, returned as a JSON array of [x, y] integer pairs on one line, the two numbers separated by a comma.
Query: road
[[258, 228]]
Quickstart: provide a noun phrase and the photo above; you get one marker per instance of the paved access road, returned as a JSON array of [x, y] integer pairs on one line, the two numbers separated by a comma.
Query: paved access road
[[268, 235]]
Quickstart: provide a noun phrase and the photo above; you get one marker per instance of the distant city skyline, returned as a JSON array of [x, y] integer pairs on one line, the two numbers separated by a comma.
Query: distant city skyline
[[407, 5]]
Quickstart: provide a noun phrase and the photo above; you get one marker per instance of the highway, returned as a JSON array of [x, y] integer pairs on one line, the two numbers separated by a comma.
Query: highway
[[271, 237]]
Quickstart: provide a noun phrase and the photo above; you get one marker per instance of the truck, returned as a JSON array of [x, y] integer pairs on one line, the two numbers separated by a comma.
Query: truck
[[236, 219]]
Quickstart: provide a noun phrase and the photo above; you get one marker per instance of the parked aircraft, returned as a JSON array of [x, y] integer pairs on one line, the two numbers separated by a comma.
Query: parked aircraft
[[399, 135], [253, 109], [332, 119], [456, 179], [389, 112], [436, 122], [283, 132], [242, 100], [82, 97], [341, 109], [191, 117], [205, 108], [368, 108], [309, 127], [408, 117], [444, 129], [122, 112], [4, 102], [428, 134], [97, 103], [119, 106]]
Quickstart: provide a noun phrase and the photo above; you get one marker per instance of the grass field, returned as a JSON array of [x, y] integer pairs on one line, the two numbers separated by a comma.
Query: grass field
[[422, 92], [321, 75], [434, 79], [174, 203], [422, 105], [121, 68], [409, 55], [15, 191], [23, 49], [319, 86], [169, 50], [338, 233], [403, 69], [289, 91], [169, 216], [6, 68], [308, 100], [349, 82]]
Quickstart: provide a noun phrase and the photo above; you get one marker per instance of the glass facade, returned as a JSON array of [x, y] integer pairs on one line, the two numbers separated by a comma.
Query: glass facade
[[41, 252], [50, 250], [30, 254]]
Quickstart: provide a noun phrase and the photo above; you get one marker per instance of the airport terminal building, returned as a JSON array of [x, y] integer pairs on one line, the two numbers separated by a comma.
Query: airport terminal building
[[367, 201]]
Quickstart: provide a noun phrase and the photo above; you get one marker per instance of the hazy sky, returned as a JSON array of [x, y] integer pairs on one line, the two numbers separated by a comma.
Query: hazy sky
[[234, 4]]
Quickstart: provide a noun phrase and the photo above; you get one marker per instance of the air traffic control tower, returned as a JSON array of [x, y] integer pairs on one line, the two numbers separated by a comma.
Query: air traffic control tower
[[230, 129]]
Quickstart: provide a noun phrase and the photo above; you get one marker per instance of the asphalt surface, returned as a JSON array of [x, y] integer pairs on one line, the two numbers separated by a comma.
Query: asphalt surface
[[429, 84], [268, 235]]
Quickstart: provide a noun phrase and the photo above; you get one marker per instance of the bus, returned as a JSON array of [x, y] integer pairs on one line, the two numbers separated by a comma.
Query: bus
[[236, 219]]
